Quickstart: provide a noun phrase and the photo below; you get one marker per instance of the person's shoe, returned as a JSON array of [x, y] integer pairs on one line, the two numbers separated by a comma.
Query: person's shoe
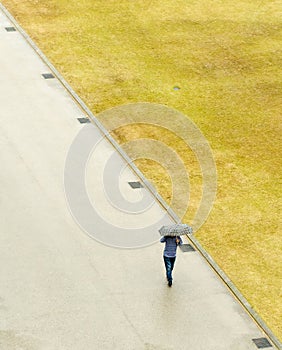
[[169, 283]]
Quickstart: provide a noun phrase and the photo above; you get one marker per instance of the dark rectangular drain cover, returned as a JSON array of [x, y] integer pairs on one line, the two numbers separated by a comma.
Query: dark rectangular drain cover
[[48, 76], [187, 248], [10, 29], [83, 120], [262, 343], [135, 184]]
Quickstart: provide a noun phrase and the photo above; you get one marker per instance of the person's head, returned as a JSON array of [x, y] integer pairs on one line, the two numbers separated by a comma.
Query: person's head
[[171, 237]]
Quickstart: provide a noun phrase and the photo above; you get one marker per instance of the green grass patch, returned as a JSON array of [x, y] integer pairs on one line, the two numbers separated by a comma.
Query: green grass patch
[[226, 58]]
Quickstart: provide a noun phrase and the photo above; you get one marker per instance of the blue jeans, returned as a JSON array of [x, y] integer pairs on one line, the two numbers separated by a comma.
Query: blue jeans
[[169, 263]]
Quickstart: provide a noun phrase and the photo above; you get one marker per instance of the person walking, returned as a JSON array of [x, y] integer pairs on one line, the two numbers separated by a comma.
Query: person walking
[[169, 255]]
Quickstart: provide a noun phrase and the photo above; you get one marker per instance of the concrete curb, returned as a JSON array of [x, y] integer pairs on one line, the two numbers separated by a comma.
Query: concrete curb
[[236, 293]]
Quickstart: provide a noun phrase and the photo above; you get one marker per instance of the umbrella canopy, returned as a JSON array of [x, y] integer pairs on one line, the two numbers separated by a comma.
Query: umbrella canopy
[[175, 230]]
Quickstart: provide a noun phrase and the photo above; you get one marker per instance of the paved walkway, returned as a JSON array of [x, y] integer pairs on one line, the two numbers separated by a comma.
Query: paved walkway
[[61, 289]]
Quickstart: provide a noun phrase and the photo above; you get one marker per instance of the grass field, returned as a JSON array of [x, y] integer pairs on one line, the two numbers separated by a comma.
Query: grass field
[[226, 58]]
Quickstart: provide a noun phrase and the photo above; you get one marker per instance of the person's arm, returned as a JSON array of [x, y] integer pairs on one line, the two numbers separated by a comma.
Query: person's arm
[[179, 240], [163, 239]]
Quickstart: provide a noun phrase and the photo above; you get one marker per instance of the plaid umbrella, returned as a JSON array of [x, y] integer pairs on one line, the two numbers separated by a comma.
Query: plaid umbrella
[[175, 230]]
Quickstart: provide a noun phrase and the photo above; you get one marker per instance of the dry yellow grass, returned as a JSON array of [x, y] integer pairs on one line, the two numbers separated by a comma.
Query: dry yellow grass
[[226, 58]]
